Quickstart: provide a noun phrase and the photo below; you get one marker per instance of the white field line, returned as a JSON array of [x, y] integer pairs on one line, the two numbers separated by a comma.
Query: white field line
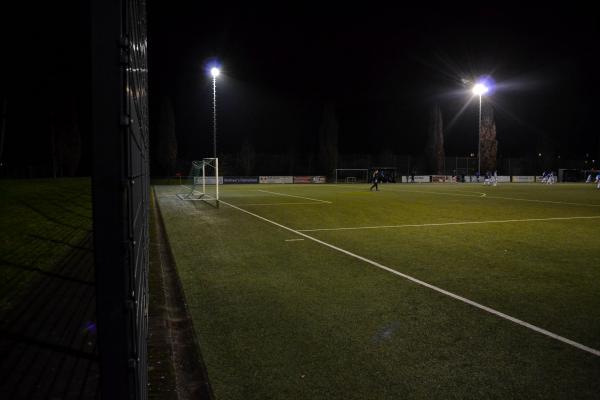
[[447, 224], [293, 240], [430, 286], [545, 201], [291, 195], [312, 203], [481, 194]]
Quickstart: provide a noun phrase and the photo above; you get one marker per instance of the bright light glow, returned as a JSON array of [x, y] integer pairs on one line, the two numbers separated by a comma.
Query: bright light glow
[[214, 71], [480, 89]]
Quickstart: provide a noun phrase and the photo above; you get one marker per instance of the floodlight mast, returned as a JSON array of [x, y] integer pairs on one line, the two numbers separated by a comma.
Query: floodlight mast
[[479, 90], [215, 72]]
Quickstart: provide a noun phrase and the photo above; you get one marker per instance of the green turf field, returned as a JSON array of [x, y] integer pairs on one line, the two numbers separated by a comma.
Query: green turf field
[[42, 221], [305, 291]]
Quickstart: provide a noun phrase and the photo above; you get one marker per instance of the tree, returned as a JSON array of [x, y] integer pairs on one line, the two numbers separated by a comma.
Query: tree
[[489, 144], [328, 140], [2, 128], [65, 144], [167, 139], [247, 158], [69, 140], [435, 143]]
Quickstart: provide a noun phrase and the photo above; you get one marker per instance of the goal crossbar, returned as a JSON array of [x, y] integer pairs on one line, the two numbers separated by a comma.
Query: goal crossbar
[[204, 176]]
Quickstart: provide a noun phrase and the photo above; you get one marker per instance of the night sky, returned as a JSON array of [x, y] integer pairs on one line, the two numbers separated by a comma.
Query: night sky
[[382, 67]]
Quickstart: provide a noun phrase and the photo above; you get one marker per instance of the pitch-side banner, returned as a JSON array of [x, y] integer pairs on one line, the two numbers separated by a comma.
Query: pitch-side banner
[[473, 179], [523, 179], [422, 178], [309, 179], [442, 179], [240, 179], [275, 179], [418, 179], [210, 180], [503, 178]]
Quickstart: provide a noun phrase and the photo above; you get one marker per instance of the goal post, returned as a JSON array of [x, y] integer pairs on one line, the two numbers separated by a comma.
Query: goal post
[[203, 181], [351, 175]]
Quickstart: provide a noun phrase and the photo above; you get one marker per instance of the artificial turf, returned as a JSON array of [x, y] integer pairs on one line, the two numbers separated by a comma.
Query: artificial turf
[[297, 319], [41, 222]]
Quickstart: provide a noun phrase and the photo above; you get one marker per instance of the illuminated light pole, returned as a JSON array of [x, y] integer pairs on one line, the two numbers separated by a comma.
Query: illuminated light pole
[[479, 90], [215, 73]]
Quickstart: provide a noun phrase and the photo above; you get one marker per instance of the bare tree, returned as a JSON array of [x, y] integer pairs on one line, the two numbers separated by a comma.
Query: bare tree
[[65, 144], [435, 144], [3, 128], [71, 148], [247, 158], [167, 139], [489, 144], [328, 140]]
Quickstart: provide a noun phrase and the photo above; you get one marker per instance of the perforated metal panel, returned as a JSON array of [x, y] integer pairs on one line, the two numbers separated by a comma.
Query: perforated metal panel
[[121, 194]]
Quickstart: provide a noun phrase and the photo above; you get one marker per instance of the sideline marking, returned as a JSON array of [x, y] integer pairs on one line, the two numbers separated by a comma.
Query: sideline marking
[[447, 224], [495, 197], [312, 203], [545, 201], [293, 240], [430, 286], [291, 195]]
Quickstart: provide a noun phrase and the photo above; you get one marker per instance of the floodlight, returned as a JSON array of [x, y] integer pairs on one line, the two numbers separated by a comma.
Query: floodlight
[[480, 89]]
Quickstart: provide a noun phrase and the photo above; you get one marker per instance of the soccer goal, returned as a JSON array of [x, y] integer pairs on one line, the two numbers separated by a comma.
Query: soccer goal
[[351, 175], [203, 181]]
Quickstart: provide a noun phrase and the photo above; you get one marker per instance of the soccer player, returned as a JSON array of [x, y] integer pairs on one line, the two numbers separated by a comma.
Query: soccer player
[[375, 181], [495, 179]]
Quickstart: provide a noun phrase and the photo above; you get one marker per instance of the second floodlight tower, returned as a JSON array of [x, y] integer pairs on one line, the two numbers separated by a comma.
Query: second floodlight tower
[[479, 90], [215, 72]]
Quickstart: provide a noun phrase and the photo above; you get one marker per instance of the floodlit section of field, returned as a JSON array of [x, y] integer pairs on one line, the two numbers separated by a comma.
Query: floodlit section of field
[[415, 291]]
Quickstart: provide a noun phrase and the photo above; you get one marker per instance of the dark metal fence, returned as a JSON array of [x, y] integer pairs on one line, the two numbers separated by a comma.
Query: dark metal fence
[[120, 194]]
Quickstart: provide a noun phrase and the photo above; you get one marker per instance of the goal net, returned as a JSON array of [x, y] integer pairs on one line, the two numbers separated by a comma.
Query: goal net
[[351, 175], [203, 181]]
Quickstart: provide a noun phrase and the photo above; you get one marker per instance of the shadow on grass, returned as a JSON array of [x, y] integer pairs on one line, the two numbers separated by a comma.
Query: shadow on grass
[[48, 333], [53, 219], [60, 242]]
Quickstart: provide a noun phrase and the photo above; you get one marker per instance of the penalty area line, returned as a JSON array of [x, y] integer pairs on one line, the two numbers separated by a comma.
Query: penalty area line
[[312, 203], [502, 221], [291, 195], [430, 286]]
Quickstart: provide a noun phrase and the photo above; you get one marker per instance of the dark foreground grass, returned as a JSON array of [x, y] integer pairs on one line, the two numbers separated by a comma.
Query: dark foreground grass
[[41, 222], [296, 319]]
